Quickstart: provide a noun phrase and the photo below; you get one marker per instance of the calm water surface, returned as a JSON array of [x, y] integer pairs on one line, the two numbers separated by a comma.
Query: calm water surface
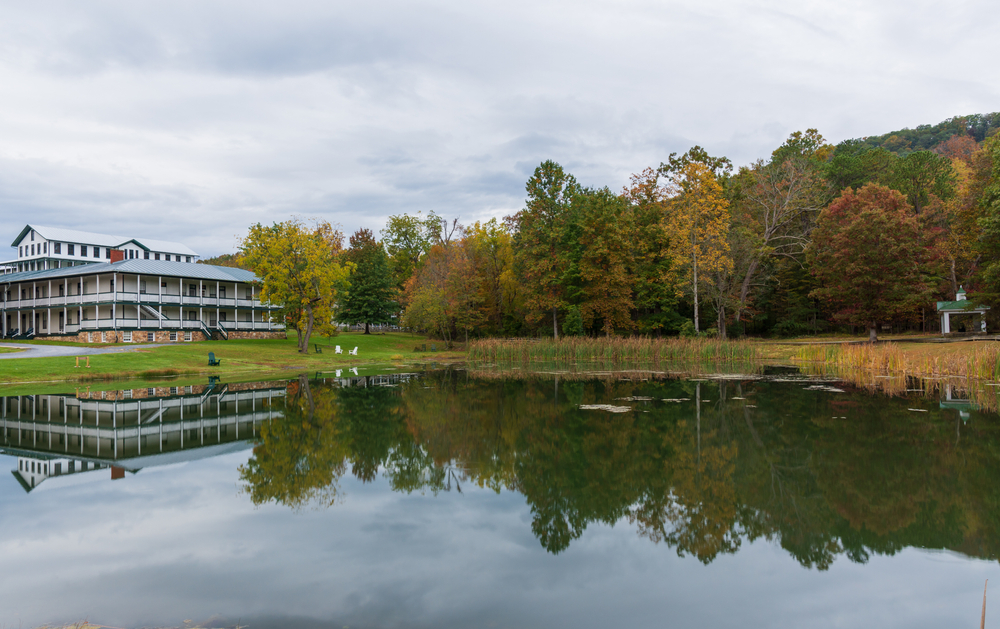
[[447, 499]]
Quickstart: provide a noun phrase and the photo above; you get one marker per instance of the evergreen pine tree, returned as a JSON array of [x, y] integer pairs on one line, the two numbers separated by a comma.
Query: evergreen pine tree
[[371, 298]]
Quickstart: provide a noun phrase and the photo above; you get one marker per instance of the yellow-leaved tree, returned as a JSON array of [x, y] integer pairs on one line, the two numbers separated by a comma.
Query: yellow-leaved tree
[[697, 219], [300, 272]]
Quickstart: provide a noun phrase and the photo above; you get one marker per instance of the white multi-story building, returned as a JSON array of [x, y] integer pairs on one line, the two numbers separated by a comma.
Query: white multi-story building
[[128, 295], [40, 248]]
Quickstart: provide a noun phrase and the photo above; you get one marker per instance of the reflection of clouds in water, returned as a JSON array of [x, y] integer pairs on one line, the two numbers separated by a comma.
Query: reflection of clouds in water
[[182, 542]]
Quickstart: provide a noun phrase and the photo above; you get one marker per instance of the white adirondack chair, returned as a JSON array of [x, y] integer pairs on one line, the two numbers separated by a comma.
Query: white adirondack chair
[[353, 352], [338, 373], [338, 350], [354, 370]]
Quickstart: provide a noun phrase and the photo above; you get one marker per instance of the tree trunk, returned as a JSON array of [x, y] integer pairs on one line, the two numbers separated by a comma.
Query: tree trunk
[[555, 326], [304, 339], [872, 333], [367, 331], [745, 291], [722, 322], [954, 280], [694, 265]]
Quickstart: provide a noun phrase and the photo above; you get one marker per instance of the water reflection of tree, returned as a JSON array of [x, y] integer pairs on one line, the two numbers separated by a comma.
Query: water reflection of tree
[[699, 478], [301, 455]]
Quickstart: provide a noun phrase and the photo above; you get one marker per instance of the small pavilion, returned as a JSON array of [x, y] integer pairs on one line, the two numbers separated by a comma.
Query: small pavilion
[[960, 307]]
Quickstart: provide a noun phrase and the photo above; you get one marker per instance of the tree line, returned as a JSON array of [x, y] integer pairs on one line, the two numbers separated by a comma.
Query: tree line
[[816, 236]]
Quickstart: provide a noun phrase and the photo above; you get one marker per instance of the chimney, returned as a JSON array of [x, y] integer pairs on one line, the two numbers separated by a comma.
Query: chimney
[[117, 255]]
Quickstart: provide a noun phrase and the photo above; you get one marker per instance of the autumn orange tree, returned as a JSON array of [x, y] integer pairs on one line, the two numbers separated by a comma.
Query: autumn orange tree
[[868, 253]]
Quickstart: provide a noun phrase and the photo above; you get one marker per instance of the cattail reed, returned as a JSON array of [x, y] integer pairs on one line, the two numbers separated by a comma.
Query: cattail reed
[[613, 351]]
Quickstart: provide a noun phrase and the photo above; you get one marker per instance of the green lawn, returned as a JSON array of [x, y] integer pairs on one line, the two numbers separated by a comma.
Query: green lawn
[[240, 359]]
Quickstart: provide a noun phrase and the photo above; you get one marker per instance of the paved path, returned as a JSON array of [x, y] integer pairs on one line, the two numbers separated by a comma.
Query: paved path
[[51, 351]]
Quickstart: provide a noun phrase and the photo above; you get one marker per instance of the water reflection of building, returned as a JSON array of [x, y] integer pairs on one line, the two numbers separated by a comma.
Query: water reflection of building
[[62, 436], [959, 400]]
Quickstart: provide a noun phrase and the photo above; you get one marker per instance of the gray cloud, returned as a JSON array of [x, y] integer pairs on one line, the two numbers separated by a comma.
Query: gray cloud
[[200, 119]]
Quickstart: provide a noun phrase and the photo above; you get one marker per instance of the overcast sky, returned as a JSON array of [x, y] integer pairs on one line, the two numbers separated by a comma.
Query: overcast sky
[[190, 121]]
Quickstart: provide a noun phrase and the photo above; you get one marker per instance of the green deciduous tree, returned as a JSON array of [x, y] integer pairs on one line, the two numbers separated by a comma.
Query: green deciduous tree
[[922, 174], [544, 240], [300, 272], [407, 239]]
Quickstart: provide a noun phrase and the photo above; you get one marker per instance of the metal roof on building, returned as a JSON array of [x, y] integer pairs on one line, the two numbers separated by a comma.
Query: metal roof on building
[[138, 267], [959, 306], [104, 240]]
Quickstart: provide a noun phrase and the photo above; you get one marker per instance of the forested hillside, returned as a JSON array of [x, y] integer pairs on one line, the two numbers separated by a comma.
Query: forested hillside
[[927, 137], [861, 236]]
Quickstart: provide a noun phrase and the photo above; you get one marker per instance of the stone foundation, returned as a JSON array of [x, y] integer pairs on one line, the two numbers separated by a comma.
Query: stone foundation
[[159, 336], [257, 335], [117, 336]]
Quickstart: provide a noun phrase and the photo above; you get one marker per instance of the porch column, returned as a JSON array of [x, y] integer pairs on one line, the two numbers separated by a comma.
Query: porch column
[[946, 323]]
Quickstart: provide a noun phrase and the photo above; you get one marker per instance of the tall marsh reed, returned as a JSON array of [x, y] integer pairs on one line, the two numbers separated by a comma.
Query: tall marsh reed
[[613, 351], [889, 359]]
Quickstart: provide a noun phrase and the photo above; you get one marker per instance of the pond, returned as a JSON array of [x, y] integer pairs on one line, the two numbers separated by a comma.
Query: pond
[[452, 498]]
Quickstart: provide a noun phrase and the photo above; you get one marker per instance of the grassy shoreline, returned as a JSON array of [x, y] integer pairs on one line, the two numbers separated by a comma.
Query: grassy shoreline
[[278, 357], [240, 359]]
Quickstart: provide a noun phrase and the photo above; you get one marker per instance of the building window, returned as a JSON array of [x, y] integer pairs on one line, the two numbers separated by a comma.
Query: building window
[[151, 391], [145, 255], [192, 290], [192, 315], [127, 337], [70, 249], [97, 252], [83, 251], [127, 394], [173, 336], [107, 252], [156, 256], [32, 235], [57, 247], [20, 252], [150, 336], [45, 247], [142, 286], [188, 259], [187, 336], [32, 249]]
